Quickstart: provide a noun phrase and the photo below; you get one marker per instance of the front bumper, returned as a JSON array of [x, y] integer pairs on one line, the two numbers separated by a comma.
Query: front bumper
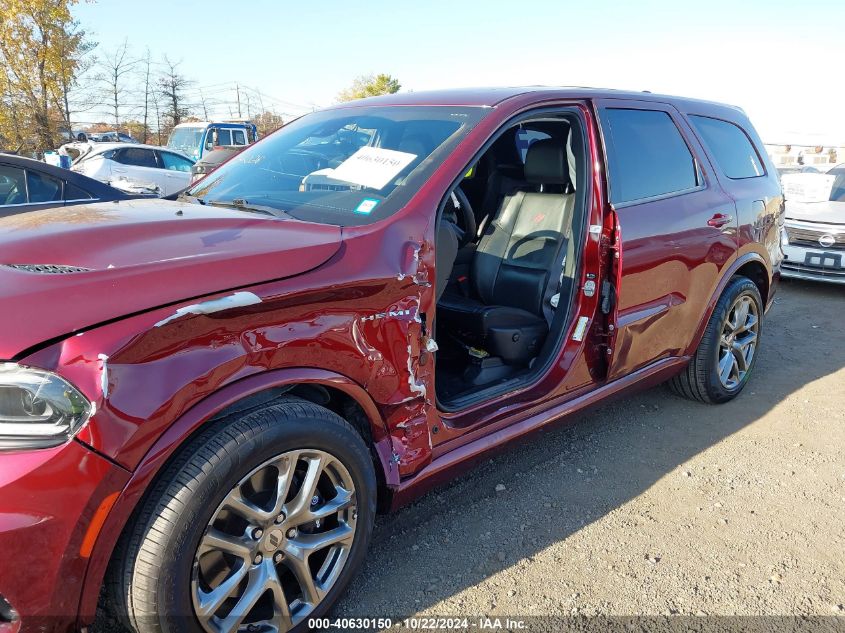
[[52, 505], [813, 250], [813, 263]]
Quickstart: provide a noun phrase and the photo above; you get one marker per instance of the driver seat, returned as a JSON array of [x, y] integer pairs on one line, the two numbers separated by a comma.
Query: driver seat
[[515, 262]]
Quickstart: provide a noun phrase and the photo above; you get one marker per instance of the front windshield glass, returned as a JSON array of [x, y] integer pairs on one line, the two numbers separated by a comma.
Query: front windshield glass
[[186, 140], [348, 166]]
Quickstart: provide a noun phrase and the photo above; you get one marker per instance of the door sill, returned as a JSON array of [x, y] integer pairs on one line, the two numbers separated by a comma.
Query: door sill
[[466, 450]]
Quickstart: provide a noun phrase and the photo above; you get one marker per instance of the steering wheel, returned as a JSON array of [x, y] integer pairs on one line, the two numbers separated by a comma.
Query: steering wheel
[[464, 208]]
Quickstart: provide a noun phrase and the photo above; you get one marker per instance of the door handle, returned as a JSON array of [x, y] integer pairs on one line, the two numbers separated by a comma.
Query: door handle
[[719, 220]]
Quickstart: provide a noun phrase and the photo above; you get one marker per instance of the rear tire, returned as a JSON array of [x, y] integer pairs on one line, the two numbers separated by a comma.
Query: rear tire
[[727, 353], [242, 500]]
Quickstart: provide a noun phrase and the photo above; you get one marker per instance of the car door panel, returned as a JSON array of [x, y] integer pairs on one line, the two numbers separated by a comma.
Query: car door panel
[[672, 258]]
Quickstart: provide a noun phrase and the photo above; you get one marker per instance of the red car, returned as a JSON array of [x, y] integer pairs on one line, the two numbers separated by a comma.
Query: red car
[[204, 402]]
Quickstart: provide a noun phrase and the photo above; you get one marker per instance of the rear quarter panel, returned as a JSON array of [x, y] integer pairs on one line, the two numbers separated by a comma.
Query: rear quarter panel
[[759, 201]]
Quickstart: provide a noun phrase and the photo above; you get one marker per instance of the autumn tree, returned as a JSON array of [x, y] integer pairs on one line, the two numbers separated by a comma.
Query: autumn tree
[[267, 122], [370, 86], [40, 50]]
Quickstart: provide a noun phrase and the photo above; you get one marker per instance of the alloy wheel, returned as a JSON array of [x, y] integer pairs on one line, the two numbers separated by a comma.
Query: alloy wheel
[[276, 545], [738, 341]]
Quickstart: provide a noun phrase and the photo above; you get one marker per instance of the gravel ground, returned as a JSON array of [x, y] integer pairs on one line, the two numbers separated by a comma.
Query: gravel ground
[[649, 506]]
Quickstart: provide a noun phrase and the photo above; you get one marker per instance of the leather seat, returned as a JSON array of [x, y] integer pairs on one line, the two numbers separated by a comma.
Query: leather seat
[[515, 262]]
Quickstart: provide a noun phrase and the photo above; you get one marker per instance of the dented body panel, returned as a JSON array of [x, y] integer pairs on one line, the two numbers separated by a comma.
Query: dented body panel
[[183, 310]]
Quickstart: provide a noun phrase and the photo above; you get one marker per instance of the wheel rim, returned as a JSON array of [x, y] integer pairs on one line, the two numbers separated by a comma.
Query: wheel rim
[[276, 545], [738, 342]]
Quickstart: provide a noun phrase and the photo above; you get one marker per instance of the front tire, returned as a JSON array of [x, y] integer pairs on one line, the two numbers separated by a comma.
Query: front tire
[[727, 353], [258, 524]]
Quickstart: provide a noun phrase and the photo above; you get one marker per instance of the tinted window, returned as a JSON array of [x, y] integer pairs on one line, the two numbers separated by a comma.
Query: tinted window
[[647, 155], [72, 192], [730, 146], [174, 162], [136, 156], [12, 185], [43, 188]]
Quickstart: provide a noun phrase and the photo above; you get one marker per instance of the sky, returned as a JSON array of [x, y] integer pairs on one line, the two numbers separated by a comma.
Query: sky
[[777, 59]]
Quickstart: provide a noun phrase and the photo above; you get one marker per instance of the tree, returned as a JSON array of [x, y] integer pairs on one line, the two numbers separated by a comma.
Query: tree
[[267, 122], [137, 130], [74, 63], [146, 75], [172, 85], [115, 67], [370, 86], [40, 51]]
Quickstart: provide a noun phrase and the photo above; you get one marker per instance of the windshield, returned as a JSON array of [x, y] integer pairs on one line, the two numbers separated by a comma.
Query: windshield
[[186, 140], [348, 166]]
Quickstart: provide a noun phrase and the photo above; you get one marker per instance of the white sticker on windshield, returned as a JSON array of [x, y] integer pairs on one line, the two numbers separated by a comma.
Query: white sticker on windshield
[[372, 166]]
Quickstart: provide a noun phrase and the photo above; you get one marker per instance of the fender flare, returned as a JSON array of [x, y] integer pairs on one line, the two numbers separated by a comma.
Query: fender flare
[[175, 436], [738, 263]]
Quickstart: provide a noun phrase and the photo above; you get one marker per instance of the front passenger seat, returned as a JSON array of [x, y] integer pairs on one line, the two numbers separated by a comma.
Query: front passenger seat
[[514, 263]]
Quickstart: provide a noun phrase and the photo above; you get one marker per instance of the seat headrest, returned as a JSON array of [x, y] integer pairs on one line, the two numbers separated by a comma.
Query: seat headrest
[[546, 163]]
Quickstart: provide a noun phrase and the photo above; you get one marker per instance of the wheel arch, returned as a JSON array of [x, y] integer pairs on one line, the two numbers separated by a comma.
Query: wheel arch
[[751, 265], [334, 391]]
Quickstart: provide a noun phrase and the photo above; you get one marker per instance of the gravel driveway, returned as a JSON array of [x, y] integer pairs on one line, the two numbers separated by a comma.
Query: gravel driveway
[[652, 505]]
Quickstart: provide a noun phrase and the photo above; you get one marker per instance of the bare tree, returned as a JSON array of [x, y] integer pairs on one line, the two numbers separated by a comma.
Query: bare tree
[[173, 85], [115, 66], [146, 76]]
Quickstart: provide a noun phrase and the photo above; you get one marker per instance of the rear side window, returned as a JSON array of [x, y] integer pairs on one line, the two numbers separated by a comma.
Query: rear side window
[[72, 192], [174, 162], [43, 188], [646, 154], [137, 156], [730, 146]]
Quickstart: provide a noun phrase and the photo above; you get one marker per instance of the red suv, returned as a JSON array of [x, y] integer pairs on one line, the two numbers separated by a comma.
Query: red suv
[[204, 402]]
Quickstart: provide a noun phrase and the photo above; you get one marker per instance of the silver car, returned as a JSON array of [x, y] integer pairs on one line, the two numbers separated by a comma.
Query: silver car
[[814, 231]]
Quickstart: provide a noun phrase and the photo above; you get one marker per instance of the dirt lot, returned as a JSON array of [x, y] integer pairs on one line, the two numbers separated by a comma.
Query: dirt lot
[[649, 506]]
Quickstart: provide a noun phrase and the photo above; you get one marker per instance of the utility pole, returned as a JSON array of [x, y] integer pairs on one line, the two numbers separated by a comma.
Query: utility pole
[[248, 112], [238, 92]]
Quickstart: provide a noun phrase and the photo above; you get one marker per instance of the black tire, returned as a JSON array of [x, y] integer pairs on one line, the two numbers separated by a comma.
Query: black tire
[[149, 584], [700, 379]]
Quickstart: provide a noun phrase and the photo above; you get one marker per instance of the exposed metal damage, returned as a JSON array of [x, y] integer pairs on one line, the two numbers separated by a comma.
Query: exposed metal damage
[[104, 374], [236, 300]]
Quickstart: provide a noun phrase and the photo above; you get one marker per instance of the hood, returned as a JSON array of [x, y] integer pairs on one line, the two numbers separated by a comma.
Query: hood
[[824, 212], [66, 269]]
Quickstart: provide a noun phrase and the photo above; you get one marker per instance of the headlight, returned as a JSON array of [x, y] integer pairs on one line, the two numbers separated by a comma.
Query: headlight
[[37, 408]]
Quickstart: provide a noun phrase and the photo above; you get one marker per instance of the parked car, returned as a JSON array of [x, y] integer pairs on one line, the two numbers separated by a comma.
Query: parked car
[[196, 138], [112, 136], [110, 162], [29, 185], [213, 159], [814, 230], [205, 411]]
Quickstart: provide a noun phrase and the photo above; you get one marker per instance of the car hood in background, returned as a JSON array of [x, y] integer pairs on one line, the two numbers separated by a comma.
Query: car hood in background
[[825, 212], [116, 259]]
